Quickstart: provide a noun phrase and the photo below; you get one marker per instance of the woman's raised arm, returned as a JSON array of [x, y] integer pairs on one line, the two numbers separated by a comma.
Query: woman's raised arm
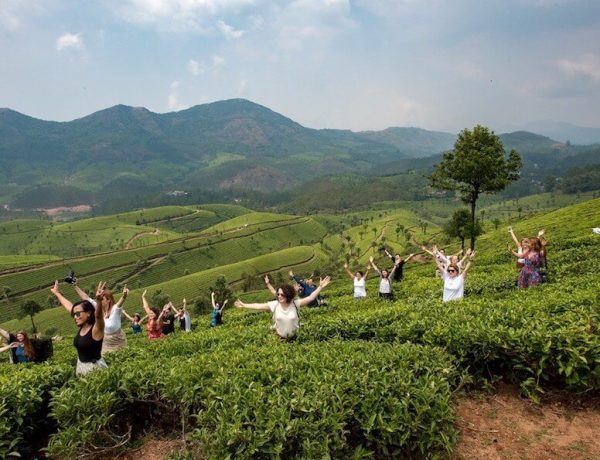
[[98, 328], [269, 286], [66, 303], [348, 271], [145, 303], [252, 306]]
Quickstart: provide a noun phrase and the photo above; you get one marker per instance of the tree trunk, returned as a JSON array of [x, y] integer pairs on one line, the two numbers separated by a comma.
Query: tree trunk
[[462, 243], [473, 204], [33, 325]]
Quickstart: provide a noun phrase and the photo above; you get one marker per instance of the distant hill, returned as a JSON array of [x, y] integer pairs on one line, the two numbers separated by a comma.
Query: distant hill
[[580, 135], [126, 152], [233, 142], [415, 142]]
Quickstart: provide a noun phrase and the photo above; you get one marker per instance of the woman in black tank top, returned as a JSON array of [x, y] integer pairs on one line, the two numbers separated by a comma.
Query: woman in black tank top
[[90, 321]]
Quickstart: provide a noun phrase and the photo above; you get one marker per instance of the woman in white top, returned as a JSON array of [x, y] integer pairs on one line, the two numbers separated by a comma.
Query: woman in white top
[[385, 282], [114, 337], [454, 281], [360, 280], [285, 308]]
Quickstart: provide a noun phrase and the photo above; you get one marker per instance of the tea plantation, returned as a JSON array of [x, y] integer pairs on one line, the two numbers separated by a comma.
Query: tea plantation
[[368, 379]]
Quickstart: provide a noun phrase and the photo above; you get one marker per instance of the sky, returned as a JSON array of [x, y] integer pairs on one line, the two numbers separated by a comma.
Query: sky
[[348, 64]]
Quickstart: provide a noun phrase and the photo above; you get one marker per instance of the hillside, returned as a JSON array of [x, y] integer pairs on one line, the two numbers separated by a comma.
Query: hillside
[[211, 148], [371, 378], [209, 144]]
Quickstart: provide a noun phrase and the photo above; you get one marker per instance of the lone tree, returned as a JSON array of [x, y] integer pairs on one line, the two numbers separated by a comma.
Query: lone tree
[[221, 289], [476, 165], [30, 308], [459, 226]]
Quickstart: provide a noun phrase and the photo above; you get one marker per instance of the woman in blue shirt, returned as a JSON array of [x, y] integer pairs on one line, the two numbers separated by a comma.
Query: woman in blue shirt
[[21, 348]]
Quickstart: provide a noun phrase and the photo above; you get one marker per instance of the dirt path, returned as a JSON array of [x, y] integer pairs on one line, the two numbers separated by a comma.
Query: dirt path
[[504, 426], [136, 236]]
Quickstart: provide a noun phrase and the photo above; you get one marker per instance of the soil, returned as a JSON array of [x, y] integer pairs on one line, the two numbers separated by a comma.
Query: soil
[[495, 426], [152, 449], [505, 426]]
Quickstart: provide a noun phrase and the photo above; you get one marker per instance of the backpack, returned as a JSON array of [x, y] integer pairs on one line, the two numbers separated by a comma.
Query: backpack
[[44, 349]]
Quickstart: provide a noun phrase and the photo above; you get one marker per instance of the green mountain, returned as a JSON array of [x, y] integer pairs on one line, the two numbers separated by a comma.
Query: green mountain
[[223, 144], [129, 152]]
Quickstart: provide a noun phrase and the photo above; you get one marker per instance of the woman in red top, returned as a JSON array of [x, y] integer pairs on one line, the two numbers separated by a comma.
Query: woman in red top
[[155, 323]]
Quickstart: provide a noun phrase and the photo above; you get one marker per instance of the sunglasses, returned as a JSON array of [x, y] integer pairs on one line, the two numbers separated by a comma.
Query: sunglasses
[[280, 294], [451, 271], [77, 314]]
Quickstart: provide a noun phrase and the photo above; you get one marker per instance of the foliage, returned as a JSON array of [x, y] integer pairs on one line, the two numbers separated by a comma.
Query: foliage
[[476, 166], [30, 308], [459, 226], [362, 379]]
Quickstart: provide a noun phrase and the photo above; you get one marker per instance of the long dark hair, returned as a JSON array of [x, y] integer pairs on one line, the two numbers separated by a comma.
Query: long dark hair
[[87, 307], [29, 349]]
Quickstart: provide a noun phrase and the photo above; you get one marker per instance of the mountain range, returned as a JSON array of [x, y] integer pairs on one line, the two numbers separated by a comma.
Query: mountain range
[[232, 143]]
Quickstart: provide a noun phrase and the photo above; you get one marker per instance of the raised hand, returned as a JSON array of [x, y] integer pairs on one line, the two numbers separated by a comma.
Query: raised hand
[[125, 291], [144, 293], [267, 281], [239, 304], [54, 290], [100, 288], [324, 281]]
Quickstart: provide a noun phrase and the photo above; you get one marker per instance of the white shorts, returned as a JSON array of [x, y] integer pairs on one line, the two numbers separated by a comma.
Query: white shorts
[[84, 368]]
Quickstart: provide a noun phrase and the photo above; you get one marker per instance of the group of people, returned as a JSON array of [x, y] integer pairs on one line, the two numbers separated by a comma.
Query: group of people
[[386, 277], [99, 319]]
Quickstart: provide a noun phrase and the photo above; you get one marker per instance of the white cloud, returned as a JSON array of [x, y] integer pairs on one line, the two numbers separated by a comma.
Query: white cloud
[[9, 20], [69, 40], [179, 15], [587, 65], [218, 63], [304, 21], [173, 98], [197, 68], [228, 31], [14, 14]]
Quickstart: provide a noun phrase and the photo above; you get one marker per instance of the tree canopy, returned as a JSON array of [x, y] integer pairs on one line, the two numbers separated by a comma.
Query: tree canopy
[[476, 165]]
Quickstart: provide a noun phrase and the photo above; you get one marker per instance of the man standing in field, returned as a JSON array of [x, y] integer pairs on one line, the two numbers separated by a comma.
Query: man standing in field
[[308, 287]]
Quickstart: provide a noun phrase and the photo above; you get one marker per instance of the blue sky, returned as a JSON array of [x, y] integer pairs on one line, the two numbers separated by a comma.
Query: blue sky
[[360, 65]]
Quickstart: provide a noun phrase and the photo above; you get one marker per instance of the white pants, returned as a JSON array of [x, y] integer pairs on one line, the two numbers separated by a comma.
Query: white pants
[[84, 368]]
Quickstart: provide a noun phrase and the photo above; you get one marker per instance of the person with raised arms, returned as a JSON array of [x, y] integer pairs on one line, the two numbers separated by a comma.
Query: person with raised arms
[[90, 321], [114, 337], [285, 309], [454, 279], [398, 262], [155, 325], [307, 287], [385, 281], [360, 282], [532, 256], [182, 316], [216, 316], [136, 321]]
